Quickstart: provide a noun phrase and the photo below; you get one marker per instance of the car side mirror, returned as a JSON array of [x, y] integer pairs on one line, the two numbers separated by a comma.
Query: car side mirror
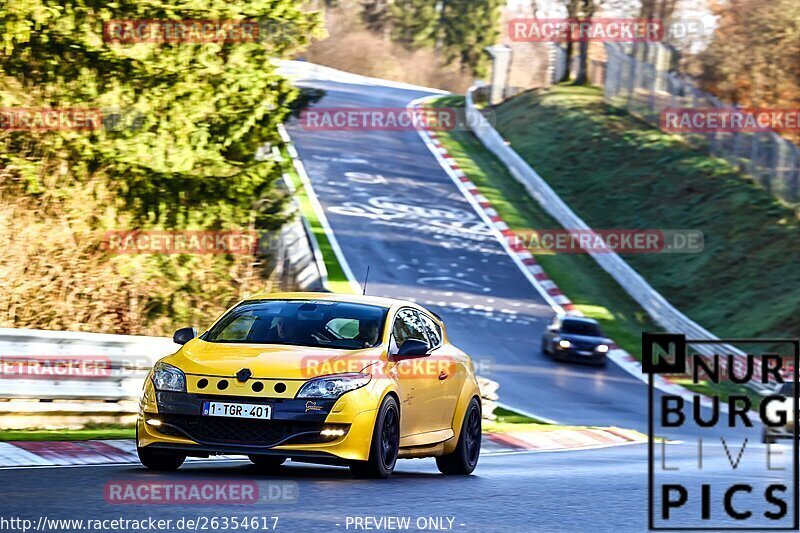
[[413, 348], [184, 335]]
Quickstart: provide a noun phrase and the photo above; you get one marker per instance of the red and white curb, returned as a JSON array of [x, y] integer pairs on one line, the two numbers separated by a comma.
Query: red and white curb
[[527, 262], [92, 452], [561, 440], [19, 454], [514, 247], [26, 454]]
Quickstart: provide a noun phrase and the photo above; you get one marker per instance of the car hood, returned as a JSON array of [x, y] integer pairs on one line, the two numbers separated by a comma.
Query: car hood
[[269, 361], [584, 339]]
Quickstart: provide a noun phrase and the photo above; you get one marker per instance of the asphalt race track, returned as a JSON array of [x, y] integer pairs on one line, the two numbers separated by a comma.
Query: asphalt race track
[[598, 490], [392, 208]]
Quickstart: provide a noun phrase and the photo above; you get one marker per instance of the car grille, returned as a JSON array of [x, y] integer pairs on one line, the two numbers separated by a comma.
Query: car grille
[[584, 346], [233, 431]]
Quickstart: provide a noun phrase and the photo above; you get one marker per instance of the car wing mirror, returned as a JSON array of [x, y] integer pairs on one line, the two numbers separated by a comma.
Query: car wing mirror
[[184, 335], [413, 348]]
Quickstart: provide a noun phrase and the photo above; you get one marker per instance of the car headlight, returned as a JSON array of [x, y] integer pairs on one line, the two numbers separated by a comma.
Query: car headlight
[[564, 344], [332, 386], [168, 378], [602, 348]]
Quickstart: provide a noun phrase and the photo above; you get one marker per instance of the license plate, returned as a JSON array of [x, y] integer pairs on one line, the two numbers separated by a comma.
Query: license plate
[[237, 410], [584, 352]]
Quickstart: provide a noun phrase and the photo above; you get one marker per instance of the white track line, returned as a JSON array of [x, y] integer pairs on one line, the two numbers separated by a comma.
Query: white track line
[[320, 212]]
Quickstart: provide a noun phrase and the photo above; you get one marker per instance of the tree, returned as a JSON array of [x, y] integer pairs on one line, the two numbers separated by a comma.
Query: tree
[[457, 30], [572, 14], [583, 11], [377, 17], [657, 9], [468, 27], [413, 22], [754, 55], [182, 123], [588, 8], [206, 108]]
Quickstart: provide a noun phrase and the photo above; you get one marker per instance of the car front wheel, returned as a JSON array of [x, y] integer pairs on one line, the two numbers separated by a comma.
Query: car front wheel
[[385, 443], [463, 460]]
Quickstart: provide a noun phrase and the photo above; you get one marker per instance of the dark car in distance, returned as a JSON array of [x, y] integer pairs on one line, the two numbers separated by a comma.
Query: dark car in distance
[[573, 338]]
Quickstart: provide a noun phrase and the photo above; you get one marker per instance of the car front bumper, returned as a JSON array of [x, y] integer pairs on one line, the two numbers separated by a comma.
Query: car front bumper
[[294, 429], [575, 354]]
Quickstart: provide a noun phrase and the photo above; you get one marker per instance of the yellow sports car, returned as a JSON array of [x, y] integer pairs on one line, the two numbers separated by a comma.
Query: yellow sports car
[[315, 377]]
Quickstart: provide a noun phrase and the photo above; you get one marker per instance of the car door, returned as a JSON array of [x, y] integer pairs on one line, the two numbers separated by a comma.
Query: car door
[[418, 385], [448, 365]]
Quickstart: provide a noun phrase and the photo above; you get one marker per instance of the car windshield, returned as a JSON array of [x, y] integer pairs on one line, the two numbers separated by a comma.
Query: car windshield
[[322, 324], [580, 327]]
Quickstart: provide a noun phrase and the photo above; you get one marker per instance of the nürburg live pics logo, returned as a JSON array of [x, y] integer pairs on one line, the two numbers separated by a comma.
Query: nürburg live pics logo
[[722, 437]]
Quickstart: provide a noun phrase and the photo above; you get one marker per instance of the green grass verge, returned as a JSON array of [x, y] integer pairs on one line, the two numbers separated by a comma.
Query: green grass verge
[[337, 281], [91, 432], [508, 420], [616, 171], [506, 416]]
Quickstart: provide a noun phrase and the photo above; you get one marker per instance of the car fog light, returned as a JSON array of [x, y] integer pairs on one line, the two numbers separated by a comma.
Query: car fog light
[[154, 422], [332, 432]]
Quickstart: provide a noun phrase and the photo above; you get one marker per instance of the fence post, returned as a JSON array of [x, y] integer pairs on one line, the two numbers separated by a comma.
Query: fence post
[[631, 79]]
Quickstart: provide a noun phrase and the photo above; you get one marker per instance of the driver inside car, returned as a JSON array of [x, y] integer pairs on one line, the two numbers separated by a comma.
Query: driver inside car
[[284, 330], [367, 333]]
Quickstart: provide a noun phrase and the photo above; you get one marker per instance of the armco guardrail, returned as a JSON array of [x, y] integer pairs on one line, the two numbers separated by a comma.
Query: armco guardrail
[[125, 361], [304, 70], [38, 398], [661, 311]]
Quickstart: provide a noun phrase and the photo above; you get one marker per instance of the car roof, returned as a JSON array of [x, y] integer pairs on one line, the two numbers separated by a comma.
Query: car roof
[[330, 296], [580, 319]]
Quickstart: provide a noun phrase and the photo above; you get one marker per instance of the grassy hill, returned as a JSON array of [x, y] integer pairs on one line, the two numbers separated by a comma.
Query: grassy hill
[[616, 171]]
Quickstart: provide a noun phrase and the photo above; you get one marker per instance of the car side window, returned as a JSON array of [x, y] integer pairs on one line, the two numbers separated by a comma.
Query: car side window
[[433, 330], [407, 325]]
